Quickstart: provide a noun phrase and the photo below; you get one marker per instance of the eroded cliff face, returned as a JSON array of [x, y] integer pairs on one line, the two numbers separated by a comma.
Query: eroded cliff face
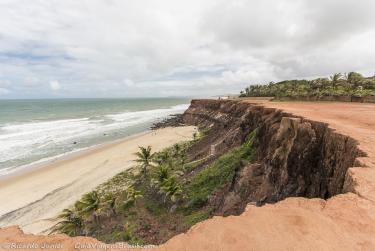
[[296, 157]]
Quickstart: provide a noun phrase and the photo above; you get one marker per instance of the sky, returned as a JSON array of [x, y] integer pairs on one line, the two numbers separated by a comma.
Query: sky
[[154, 48]]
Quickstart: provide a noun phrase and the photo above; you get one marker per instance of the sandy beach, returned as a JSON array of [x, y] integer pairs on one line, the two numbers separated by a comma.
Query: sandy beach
[[33, 198]]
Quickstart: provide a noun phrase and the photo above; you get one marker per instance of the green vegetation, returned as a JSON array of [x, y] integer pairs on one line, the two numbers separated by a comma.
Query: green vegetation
[[196, 217], [220, 173], [89, 205], [156, 199], [71, 223], [351, 84], [132, 196], [145, 158]]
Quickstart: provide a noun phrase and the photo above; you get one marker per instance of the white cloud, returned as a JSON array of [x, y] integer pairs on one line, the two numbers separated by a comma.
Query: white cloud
[[129, 82], [4, 91], [155, 48], [55, 85], [4, 83]]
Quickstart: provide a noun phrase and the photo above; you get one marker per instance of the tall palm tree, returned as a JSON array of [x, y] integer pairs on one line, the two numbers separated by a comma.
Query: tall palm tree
[[145, 158], [335, 79], [89, 205], [71, 224]]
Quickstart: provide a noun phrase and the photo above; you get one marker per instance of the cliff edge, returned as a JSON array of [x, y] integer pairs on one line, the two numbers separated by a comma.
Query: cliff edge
[[313, 188]]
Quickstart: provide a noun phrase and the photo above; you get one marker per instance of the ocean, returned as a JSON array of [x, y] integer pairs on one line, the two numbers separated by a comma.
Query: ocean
[[33, 131]]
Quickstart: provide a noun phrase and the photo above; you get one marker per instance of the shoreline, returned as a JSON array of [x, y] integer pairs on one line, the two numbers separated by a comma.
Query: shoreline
[[35, 196], [31, 140], [58, 159]]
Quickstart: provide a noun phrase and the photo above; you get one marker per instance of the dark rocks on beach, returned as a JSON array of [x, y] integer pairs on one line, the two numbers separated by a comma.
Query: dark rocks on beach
[[173, 120]]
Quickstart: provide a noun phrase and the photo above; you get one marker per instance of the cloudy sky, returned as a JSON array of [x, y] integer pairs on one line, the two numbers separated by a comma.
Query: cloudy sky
[[125, 48]]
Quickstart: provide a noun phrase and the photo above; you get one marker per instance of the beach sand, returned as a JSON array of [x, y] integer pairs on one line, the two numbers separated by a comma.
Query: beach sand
[[32, 199]]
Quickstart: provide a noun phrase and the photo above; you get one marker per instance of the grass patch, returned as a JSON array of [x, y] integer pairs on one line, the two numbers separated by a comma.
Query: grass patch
[[220, 173], [193, 165], [156, 209], [196, 217]]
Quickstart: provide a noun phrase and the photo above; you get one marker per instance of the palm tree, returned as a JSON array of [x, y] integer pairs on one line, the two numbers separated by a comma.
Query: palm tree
[[132, 196], [354, 79], [110, 202], [247, 91], [324, 82], [89, 204], [145, 158], [162, 157], [71, 223], [160, 175], [171, 188], [335, 79]]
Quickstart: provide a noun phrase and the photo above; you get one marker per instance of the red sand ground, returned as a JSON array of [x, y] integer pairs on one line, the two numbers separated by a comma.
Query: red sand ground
[[344, 222]]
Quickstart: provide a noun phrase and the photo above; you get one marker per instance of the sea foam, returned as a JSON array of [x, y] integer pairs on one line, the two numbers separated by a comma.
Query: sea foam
[[31, 142]]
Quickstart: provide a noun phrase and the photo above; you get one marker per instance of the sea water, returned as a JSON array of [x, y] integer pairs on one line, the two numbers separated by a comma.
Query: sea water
[[33, 131]]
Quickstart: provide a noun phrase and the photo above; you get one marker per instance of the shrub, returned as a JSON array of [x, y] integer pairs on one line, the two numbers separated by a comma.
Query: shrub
[[220, 173]]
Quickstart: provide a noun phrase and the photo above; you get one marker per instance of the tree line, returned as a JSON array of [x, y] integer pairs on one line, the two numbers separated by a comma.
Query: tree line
[[350, 84]]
